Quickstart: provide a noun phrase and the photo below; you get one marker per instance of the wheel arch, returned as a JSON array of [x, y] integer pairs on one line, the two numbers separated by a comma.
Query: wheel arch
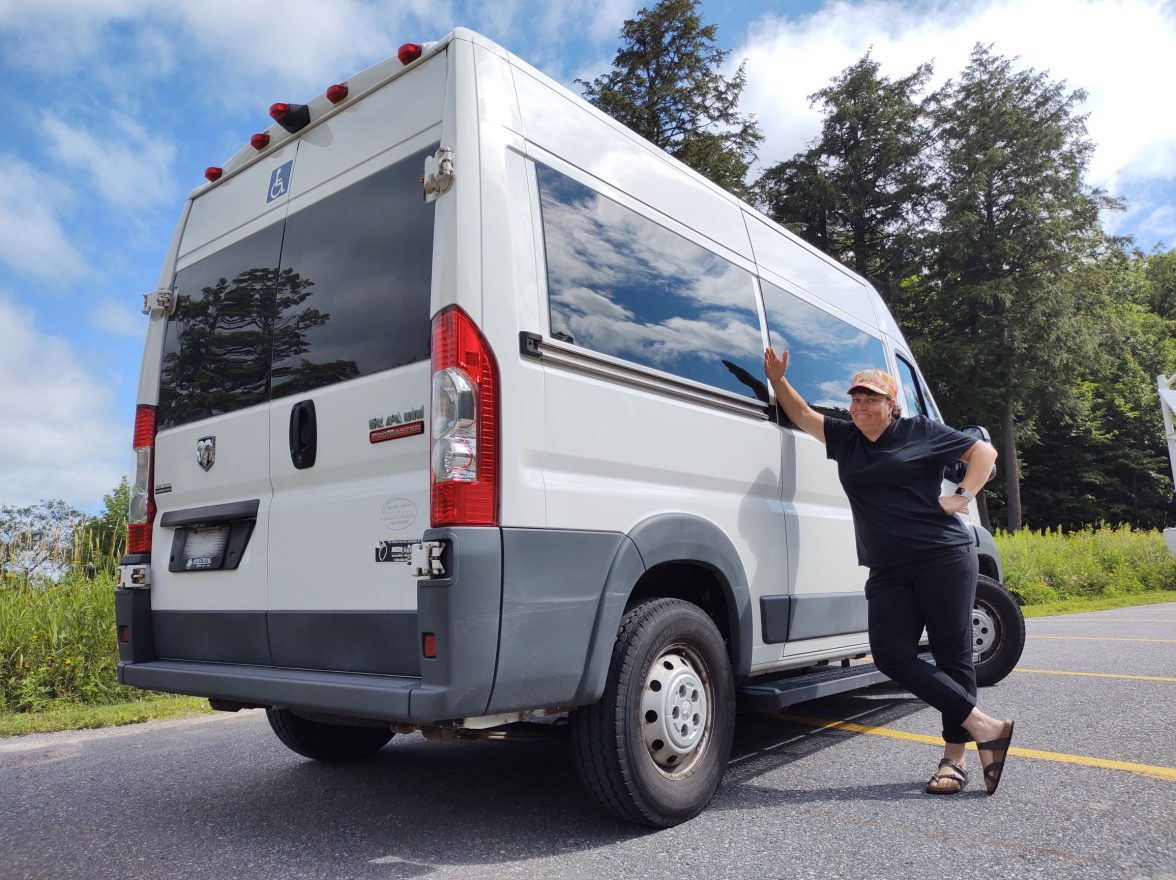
[[676, 556]]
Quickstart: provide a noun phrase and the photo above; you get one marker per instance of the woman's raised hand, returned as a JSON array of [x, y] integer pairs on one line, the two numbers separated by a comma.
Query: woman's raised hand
[[774, 367]]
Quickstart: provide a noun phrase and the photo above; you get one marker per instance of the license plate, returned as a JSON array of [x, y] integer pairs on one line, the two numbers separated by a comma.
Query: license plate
[[204, 549]]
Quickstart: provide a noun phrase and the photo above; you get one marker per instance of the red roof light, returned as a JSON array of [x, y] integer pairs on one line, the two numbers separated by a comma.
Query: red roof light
[[337, 92], [409, 52], [213, 173], [260, 141], [279, 111]]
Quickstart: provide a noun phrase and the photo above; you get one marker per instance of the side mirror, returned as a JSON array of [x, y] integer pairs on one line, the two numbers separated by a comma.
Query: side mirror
[[955, 473]]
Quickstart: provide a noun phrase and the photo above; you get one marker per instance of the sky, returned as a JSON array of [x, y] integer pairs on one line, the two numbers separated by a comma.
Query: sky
[[114, 108]]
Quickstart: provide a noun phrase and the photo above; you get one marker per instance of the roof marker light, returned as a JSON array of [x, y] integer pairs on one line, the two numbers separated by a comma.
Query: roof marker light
[[409, 52], [260, 141], [292, 117], [213, 173], [337, 92]]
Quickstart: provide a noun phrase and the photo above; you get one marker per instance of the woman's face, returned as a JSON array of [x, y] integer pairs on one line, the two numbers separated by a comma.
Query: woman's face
[[870, 411]]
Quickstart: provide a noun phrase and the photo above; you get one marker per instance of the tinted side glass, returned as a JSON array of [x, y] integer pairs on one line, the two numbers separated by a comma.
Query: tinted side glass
[[913, 400], [824, 351], [353, 294], [622, 285], [923, 403], [216, 350]]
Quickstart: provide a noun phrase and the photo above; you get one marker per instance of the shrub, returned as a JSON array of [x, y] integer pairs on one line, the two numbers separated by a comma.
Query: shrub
[[1048, 566]]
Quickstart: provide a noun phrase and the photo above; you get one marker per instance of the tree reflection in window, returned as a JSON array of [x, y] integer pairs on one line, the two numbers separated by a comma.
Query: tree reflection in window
[[221, 343], [824, 352], [621, 284]]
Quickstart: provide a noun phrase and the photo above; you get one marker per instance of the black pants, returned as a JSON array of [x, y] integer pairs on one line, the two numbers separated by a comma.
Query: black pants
[[935, 591]]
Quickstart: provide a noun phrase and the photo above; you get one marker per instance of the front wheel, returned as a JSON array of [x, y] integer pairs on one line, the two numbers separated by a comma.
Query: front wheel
[[331, 743], [998, 632], [653, 749]]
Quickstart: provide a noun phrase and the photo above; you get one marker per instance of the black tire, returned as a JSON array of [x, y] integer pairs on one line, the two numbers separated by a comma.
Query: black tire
[[332, 743], [998, 631], [647, 758]]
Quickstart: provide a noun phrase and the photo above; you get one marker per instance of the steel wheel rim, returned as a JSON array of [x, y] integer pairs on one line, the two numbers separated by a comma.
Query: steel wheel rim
[[986, 631], [677, 715]]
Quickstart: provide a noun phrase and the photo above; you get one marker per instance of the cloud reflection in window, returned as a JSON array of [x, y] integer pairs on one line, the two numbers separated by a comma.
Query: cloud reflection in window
[[622, 285]]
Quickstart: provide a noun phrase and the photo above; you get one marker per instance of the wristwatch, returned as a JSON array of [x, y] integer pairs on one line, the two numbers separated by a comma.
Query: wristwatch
[[960, 490]]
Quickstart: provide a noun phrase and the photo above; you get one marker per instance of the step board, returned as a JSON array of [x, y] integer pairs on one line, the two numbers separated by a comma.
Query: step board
[[780, 693]]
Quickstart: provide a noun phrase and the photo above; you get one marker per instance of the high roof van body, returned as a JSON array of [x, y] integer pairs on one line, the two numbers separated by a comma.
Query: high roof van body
[[452, 415]]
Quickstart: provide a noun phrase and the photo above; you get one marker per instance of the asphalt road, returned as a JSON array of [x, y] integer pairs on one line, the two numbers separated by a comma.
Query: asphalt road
[[220, 797]]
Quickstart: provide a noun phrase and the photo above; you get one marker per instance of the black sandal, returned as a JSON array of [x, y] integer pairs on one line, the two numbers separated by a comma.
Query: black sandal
[[959, 777], [1000, 750]]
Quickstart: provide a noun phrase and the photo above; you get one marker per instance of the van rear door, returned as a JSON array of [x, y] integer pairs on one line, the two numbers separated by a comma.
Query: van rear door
[[212, 485], [348, 443]]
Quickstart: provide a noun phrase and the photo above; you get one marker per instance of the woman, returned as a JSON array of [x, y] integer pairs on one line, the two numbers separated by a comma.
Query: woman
[[919, 553]]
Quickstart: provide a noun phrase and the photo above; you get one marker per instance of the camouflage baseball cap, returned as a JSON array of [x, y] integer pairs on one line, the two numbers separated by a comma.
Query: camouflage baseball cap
[[875, 380]]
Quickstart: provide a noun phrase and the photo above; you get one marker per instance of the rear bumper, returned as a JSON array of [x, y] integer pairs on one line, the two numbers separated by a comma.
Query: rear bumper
[[352, 694]]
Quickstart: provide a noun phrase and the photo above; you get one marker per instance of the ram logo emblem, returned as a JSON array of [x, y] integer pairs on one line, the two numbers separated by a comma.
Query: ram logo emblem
[[206, 452]]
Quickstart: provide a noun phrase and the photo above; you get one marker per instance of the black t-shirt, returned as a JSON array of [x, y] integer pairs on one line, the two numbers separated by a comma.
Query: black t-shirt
[[894, 484]]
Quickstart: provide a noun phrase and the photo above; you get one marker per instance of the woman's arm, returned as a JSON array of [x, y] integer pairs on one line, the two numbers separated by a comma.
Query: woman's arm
[[803, 416], [980, 458]]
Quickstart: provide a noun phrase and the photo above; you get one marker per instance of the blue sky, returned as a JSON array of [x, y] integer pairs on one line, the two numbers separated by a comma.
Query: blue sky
[[113, 110]]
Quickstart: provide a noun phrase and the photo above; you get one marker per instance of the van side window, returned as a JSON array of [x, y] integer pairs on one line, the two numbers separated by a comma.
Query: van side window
[[620, 284], [354, 285], [916, 399], [824, 351], [340, 290]]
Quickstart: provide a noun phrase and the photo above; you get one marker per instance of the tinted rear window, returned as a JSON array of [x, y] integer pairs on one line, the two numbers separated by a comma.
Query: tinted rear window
[[340, 290]]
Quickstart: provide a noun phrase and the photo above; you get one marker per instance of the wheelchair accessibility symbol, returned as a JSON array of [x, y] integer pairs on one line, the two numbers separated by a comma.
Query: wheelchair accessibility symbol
[[279, 183]]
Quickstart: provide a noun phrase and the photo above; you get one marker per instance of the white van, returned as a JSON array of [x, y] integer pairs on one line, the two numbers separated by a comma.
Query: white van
[[452, 416]]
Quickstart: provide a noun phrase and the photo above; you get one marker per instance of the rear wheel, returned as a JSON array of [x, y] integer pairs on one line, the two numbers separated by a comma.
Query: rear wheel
[[654, 749], [998, 631], [332, 743]]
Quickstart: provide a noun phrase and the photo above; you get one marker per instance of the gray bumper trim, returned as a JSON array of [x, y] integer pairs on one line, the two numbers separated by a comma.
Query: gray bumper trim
[[344, 693]]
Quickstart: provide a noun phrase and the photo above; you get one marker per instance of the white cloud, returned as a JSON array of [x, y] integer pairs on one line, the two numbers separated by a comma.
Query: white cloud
[[129, 168], [58, 437], [34, 241], [1116, 50], [119, 318]]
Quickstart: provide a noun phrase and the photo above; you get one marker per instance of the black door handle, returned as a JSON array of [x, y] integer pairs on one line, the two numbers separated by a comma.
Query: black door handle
[[303, 434]]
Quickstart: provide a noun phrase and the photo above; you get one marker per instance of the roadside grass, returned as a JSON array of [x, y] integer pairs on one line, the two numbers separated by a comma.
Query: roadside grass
[[81, 716], [1102, 603]]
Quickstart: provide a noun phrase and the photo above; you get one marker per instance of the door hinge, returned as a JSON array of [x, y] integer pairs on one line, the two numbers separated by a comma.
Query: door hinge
[[425, 559], [158, 302], [438, 176]]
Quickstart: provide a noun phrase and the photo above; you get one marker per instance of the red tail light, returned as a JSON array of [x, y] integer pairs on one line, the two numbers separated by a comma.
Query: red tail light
[[464, 441], [141, 515], [410, 52]]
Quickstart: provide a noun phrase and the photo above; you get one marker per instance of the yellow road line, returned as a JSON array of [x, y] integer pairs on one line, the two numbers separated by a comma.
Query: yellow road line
[[1103, 639], [1069, 619], [1096, 674], [1165, 773]]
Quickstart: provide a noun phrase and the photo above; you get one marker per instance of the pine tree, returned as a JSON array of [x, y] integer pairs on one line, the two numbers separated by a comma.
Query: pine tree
[[859, 193], [666, 85], [1016, 221]]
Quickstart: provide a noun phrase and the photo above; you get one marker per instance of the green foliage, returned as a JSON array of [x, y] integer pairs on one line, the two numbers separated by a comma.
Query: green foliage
[[1016, 219], [665, 85], [1049, 566], [101, 541], [57, 643]]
